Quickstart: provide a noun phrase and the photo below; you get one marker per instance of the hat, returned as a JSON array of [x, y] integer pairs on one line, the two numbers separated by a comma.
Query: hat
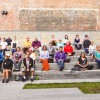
[[7, 54]]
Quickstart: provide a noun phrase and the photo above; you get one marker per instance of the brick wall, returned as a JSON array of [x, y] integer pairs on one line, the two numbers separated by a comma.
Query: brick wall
[[47, 15]]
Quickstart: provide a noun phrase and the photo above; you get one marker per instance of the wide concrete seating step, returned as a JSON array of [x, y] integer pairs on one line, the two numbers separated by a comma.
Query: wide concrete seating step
[[65, 74], [68, 66]]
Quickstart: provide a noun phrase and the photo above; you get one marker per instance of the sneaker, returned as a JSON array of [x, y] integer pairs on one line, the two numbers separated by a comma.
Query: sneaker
[[3, 80], [7, 80]]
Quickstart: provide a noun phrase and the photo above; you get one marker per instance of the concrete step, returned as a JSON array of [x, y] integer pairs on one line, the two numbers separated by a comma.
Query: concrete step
[[68, 66], [67, 74]]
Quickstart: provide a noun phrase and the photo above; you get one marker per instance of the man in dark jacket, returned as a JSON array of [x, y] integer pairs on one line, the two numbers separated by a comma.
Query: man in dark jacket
[[86, 44], [7, 68], [28, 66]]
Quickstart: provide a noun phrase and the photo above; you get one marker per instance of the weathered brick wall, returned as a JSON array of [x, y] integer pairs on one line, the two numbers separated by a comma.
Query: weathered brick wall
[[50, 15]]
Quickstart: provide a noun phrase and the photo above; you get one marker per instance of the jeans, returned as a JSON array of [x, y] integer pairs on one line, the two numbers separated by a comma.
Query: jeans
[[98, 62], [86, 50], [61, 65], [17, 65]]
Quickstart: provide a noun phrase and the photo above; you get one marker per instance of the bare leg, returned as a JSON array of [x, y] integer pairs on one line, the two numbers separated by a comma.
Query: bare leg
[[32, 73], [3, 74], [7, 74]]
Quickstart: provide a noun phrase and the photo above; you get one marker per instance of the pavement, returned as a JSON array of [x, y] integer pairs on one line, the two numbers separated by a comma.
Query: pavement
[[14, 91]]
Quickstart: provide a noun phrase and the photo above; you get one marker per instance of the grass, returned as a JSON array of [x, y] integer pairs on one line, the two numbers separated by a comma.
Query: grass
[[85, 87]]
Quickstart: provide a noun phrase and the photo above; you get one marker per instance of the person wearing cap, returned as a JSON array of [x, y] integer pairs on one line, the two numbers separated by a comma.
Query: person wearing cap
[[59, 43], [27, 45], [17, 59], [60, 57], [28, 67], [7, 68], [86, 44]]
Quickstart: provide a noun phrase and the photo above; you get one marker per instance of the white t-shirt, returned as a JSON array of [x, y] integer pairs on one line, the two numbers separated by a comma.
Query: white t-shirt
[[4, 45], [92, 48], [65, 41]]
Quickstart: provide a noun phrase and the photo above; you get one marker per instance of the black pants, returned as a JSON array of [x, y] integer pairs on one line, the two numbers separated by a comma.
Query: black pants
[[89, 67], [78, 47], [0, 65]]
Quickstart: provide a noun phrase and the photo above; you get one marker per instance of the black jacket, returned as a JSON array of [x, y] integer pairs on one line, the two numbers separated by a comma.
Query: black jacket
[[8, 64], [86, 43], [30, 63]]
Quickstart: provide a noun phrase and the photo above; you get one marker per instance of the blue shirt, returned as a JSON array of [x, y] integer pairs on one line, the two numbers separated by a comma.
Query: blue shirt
[[97, 55]]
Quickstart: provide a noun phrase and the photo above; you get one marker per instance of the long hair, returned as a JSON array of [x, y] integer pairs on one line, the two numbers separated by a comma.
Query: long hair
[[44, 46], [66, 36], [81, 55]]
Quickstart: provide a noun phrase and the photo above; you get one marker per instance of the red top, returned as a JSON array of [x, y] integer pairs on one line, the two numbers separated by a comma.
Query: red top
[[68, 49]]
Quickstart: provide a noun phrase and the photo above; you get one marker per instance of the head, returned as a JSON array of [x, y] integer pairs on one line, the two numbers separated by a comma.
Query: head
[[50, 44], [27, 55], [52, 36], [66, 37], [14, 37], [86, 37], [98, 48], [77, 36], [82, 55], [27, 38], [68, 43], [7, 56], [60, 49], [92, 42], [36, 39], [44, 47], [18, 49]]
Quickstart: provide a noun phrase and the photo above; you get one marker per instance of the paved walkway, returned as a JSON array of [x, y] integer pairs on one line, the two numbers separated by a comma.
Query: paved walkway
[[14, 91]]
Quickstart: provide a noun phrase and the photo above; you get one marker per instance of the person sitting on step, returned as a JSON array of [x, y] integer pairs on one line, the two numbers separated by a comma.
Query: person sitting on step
[[17, 59], [82, 63], [36, 45], [77, 43], [51, 53], [7, 68], [68, 49], [86, 44], [53, 41], [60, 58], [97, 56], [28, 67], [27, 45], [44, 56], [65, 40], [59, 43]]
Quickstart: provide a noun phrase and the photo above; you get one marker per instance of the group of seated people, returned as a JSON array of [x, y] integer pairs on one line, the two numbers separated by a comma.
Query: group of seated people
[[55, 52]]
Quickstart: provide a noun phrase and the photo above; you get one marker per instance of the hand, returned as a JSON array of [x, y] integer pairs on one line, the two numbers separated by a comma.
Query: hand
[[28, 70]]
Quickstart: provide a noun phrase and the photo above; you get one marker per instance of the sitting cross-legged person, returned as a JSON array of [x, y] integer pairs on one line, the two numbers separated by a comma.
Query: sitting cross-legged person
[[18, 56], [27, 45], [77, 43], [7, 68], [51, 53], [68, 49], [53, 41], [28, 67], [36, 45], [60, 57], [82, 63], [60, 43]]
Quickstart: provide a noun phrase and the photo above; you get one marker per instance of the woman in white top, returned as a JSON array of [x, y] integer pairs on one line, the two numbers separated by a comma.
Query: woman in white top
[[14, 45], [92, 49], [65, 40], [4, 45], [44, 56]]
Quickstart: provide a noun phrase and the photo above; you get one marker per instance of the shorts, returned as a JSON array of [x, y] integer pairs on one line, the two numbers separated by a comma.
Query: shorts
[[24, 69]]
